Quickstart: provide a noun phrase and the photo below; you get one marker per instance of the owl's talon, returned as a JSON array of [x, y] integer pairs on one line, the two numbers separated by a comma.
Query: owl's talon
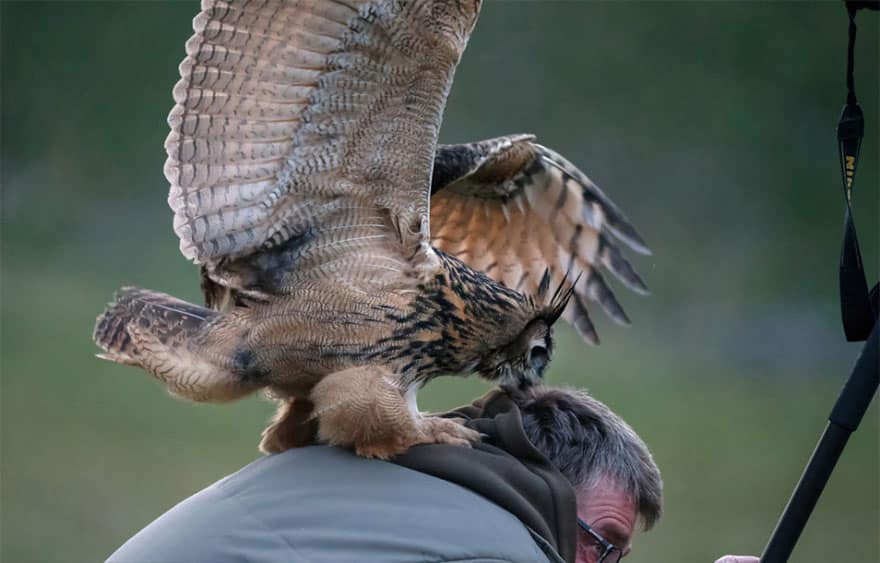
[[447, 431], [292, 427], [381, 450]]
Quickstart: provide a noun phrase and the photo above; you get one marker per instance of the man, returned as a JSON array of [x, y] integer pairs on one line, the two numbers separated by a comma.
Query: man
[[611, 470], [558, 477]]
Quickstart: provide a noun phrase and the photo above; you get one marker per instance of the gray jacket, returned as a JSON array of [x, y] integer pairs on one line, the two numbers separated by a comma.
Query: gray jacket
[[500, 500], [321, 504]]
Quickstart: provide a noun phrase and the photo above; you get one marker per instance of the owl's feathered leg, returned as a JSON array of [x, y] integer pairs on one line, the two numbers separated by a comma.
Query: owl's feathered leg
[[292, 426], [366, 408], [165, 336]]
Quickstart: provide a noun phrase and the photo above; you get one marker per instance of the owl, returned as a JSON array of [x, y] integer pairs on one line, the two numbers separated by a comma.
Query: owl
[[346, 258]]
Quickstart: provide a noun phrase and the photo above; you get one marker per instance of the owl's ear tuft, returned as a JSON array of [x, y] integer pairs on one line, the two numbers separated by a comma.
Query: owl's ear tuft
[[544, 286], [559, 300]]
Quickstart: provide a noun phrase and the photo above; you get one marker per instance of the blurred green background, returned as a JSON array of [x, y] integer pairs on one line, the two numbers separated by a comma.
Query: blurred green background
[[711, 124]]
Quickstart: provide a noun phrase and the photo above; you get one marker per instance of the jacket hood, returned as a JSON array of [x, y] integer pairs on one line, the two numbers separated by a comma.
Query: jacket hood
[[506, 469]]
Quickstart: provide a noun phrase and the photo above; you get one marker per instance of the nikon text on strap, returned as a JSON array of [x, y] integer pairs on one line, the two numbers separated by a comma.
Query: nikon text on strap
[[856, 309]]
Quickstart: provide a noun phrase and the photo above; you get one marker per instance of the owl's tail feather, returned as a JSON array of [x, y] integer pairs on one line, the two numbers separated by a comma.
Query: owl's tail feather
[[185, 346], [139, 321], [176, 341]]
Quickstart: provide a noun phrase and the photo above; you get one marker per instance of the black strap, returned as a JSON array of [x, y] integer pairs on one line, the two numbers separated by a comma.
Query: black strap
[[856, 308]]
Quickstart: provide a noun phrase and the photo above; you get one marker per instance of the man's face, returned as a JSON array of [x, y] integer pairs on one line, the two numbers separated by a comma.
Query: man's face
[[611, 513]]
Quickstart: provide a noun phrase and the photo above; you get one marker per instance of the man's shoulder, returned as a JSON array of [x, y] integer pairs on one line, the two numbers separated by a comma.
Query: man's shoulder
[[325, 504]]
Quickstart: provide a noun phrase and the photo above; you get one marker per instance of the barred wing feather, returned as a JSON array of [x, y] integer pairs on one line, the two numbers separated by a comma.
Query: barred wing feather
[[513, 208]]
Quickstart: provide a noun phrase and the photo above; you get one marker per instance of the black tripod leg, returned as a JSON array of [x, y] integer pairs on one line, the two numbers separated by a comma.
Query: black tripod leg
[[844, 419]]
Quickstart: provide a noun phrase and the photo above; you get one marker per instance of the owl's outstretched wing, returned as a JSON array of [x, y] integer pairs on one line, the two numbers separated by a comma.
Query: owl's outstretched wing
[[513, 208], [304, 133]]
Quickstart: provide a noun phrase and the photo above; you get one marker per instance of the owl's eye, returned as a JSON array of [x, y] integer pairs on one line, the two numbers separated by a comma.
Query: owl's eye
[[538, 358]]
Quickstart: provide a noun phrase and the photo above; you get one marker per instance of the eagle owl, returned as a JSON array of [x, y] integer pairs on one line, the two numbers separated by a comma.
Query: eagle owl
[[346, 258]]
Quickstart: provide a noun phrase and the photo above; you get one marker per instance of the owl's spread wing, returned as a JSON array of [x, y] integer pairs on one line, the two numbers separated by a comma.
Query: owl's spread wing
[[513, 208], [310, 124]]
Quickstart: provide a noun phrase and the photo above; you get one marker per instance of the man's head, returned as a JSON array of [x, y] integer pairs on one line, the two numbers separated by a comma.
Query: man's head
[[614, 476]]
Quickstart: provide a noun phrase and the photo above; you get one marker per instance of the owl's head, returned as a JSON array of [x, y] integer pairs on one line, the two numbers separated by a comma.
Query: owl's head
[[520, 362]]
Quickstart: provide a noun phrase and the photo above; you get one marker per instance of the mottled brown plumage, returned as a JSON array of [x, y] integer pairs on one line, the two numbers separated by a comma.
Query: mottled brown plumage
[[305, 177]]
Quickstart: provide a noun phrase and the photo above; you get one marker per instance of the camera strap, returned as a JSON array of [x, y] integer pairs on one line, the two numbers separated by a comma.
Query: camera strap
[[857, 311]]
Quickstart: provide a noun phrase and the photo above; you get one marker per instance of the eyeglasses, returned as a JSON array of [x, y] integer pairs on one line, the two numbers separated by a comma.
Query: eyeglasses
[[605, 550]]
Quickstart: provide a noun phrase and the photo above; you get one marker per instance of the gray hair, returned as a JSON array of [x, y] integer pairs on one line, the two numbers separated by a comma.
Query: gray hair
[[587, 442]]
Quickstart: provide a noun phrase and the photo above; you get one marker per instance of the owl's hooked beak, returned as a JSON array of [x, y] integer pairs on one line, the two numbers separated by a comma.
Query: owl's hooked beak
[[522, 379], [520, 382]]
